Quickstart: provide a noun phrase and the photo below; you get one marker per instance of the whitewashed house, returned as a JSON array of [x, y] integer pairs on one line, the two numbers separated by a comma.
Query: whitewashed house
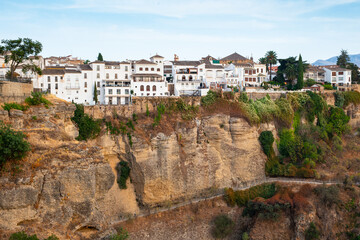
[[338, 77]]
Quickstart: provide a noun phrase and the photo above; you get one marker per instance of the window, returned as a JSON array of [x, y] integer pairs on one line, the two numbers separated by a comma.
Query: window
[[152, 69], [126, 68], [115, 75], [341, 73], [110, 91], [148, 88], [126, 91], [140, 69], [154, 88], [85, 75], [333, 74], [85, 84], [48, 78], [56, 86], [42, 85], [98, 92], [158, 69], [98, 84], [85, 91], [107, 76], [246, 71], [118, 91], [146, 69], [56, 79], [98, 75], [257, 70], [49, 87], [126, 76], [142, 88], [98, 68]]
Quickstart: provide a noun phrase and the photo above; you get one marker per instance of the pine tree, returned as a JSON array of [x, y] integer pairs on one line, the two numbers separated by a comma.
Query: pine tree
[[95, 95], [300, 79], [100, 57], [343, 59]]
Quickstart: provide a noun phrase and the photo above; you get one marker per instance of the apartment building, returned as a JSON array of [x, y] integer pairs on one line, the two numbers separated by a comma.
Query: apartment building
[[316, 73], [338, 77]]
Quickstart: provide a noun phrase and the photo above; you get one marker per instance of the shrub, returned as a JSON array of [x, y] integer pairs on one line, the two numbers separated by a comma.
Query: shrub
[[37, 98], [312, 232], [147, 110], [328, 86], [328, 195], [88, 127], [223, 226], [266, 139], [121, 234], [310, 82], [9, 106], [339, 99], [351, 97], [337, 121], [263, 210], [243, 97], [228, 95], [134, 117], [243, 196], [13, 145], [160, 110], [245, 236], [123, 172], [24, 236], [286, 112], [210, 98], [112, 129]]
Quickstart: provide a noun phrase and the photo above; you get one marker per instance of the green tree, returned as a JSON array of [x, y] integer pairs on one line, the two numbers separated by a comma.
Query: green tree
[[291, 72], [300, 79], [354, 72], [266, 139], [100, 57], [95, 98], [343, 59], [263, 60], [271, 58], [223, 226], [86, 61], [19, 50]]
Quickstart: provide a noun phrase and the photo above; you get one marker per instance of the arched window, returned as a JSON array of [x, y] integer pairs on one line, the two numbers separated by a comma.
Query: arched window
[[48, 78], [146, 69], [190, 78], [152, 69], [154, 88], [148, 88], [140, 69], [183, 78], [158, 69], [142, 88]]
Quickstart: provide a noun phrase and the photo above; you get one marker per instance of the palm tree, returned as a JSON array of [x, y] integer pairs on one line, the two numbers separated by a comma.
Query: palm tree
[[290, 72], [271, 58]]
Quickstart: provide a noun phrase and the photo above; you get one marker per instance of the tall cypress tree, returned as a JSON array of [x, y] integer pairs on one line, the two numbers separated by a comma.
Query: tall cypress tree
[[95, 94], [100, 57], [300, 79]]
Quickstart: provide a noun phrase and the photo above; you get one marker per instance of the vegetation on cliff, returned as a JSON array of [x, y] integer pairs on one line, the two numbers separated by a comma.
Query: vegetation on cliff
[[13, 145], [24, 236], [88, 127]]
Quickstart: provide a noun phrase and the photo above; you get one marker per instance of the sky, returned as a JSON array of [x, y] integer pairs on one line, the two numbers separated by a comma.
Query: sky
[[136, 29]]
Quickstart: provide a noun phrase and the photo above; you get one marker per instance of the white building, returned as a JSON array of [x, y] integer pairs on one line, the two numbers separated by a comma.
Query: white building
[[234, 76], [338, 77], [148, 78]]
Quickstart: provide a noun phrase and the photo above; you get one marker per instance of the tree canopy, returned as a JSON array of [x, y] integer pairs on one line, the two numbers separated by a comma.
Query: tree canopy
[[300, 76], [19, 50], [343, 59], [271, 58], [100, 57]]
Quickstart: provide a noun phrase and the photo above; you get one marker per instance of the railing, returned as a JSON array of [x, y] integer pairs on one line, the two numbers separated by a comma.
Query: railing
[[117, 85], [22, 80]]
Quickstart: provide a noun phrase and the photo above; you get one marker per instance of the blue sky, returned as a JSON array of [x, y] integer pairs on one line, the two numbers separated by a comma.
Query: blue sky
[[134, 29]]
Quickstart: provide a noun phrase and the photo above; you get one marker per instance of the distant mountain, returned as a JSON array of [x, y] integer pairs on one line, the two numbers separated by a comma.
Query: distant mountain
[[355, 58]]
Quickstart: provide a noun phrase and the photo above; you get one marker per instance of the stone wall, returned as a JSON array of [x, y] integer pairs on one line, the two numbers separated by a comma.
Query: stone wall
[[14, 91]]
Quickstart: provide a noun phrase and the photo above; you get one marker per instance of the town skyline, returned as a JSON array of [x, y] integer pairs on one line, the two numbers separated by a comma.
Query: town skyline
[[139, 29]]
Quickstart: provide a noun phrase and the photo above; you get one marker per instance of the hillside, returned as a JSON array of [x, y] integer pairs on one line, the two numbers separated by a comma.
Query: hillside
[[354, 58]]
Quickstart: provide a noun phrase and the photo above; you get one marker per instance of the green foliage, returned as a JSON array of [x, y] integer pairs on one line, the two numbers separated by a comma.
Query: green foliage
[[310, 82], [13, 145], [266, 109], [100, 57], [287, 143], [286, 112], [312, 233], [121, 234], [20, 51], [160, 110], [130, 124], [130, 139], [351, 97], [209, 99], [328, 195], [88, 127], [112, 129], [37, 98], [337, 121], [9, 106], [343, 59], [223, 226], [95, 97], [266, 139], [147, 110], [339, 99], [245, 236], [123, 172], [263, 210], [243, 196], [24, 236], [300, 77], [328, 86], [134, 117]]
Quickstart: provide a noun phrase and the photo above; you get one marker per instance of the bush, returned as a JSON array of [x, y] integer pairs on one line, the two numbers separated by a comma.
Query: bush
[[337, 121], [223, 226], [147, 110], [245, 236], [24, 236], [339, 99], [9, 106], [266, 139], [328, 86], [312, 232], [243, 97], [328, 195], [263, 210], [123, 172], [13, 145], [310, 82], [243, 196], [210, 98], [88, 127], [37, 98], [351, 97], [121, 234]]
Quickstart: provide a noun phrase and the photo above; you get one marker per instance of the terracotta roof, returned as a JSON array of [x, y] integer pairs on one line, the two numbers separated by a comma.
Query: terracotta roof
[[234, 57], [143, 61], [157, 56], [111, 63], [53, 71], [243, 64], [337, 69], [85, 67], [72, 71], [124, 62], [186, 63]]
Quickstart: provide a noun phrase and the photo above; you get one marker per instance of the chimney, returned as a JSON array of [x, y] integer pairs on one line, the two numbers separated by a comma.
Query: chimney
[[176, 58]]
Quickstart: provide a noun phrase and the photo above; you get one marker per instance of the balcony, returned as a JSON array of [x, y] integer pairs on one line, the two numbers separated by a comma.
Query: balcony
[[72, 87], [117, 85]]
